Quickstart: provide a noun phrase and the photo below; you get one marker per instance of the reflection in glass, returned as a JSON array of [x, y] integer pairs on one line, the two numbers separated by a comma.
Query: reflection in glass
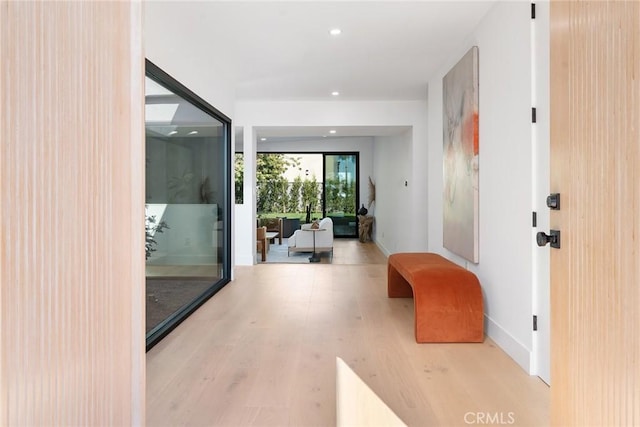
[[341, 183], [185, 199]]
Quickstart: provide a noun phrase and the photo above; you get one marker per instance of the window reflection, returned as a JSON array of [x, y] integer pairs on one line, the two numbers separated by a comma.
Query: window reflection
[[185, 199]]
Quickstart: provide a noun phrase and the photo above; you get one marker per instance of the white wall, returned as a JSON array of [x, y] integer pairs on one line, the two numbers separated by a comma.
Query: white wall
[[351, 113], [171, 48], [392, 165], [505, 267]]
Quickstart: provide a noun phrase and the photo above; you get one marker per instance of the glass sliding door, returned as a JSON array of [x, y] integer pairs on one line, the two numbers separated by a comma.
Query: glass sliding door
[[187, 202], [341, 193], [288, 183]]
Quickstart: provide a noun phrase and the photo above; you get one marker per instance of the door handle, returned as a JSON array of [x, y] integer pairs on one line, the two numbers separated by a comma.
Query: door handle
[[553, 238]]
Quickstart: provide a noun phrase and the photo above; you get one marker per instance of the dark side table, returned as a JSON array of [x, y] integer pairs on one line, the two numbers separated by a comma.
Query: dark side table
[[314, 257]]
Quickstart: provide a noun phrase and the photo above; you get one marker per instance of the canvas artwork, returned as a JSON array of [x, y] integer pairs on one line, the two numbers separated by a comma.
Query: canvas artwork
[[460, 157]]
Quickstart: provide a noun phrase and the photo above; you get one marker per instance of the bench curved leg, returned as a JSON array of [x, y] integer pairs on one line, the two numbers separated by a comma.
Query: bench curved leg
[[397, 286], [448, 312]]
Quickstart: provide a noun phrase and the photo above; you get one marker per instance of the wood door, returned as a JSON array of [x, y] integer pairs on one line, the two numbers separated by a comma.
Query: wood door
[[72, 191], [595, 165]]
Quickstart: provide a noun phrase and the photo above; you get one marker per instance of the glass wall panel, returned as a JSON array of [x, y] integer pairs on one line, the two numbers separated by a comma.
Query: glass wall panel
[[341, 192], [187, 204]]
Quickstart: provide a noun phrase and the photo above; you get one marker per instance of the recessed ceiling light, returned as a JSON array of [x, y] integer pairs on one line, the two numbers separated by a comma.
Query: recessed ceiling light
[[332, 131], [335, 93], [173, 132], [335, 31], [263, 139], [193, 132]]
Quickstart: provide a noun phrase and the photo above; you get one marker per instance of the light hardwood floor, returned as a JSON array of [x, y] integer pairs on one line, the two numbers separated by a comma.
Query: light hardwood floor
[[262, 352]]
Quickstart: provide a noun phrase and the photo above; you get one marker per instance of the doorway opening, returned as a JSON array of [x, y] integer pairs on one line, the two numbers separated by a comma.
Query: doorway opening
[[303, 187]]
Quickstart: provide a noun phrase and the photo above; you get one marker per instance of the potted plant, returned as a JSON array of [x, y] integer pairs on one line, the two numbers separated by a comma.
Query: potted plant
[[150, 229]]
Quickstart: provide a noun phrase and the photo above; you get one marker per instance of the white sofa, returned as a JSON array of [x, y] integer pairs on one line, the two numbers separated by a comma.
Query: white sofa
[[302, 241]]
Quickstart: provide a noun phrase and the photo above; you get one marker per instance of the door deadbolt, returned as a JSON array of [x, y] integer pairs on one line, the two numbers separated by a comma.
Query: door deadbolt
[[553, 238], [553, 201]]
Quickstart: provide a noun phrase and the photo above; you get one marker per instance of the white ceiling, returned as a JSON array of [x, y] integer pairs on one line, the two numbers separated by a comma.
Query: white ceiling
[[283, 50]]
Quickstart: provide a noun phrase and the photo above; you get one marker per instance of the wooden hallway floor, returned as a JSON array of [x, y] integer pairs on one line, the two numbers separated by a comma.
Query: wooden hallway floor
[[262, 352]]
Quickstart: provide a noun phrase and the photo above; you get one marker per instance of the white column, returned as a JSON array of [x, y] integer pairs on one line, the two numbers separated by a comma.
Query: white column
[[245, 225]]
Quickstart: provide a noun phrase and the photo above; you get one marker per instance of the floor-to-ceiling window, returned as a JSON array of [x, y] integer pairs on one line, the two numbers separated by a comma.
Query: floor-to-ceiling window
[[306, 186], [187, 202], [341, 194]]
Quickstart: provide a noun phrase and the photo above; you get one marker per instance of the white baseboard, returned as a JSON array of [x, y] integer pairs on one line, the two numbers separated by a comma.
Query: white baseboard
[[508, 344], [382, 249], [245, 260]]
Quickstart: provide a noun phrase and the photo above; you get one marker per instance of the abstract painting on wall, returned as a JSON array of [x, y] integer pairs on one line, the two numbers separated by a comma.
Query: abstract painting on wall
[[460, 157]]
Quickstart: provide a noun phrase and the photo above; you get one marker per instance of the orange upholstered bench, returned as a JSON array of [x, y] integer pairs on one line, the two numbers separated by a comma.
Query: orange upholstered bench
[[447, 298]]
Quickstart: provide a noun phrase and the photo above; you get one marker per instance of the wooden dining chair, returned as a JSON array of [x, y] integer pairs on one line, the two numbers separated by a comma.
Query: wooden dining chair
[[261, 242]]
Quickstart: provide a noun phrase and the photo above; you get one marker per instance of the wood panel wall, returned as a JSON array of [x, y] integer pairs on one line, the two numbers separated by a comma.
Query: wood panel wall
[[595, 162], [71, 255]]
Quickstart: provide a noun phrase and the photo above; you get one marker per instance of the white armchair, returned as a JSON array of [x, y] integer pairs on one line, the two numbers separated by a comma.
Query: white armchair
[[302, 241]]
